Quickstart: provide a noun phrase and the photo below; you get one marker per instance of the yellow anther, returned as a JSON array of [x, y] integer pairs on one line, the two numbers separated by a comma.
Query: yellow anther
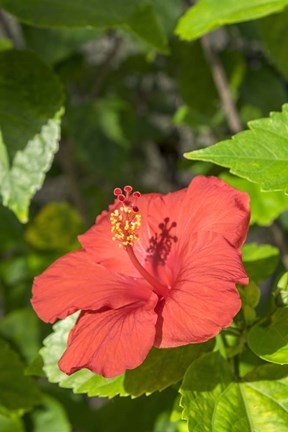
[[124, 223]]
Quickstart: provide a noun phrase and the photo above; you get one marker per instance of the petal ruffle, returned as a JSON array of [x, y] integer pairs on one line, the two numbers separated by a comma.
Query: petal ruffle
[[76, 282], [212, 205], [203, 298], [112, 341]]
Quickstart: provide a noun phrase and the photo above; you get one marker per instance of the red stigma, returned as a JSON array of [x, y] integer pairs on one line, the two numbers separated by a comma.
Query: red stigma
[[126, 198], [128, 189], [117, 191]]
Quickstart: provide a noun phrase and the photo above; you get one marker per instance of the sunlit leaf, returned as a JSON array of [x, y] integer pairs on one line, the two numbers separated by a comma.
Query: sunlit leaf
[[265, 206], [259, 154], [26, 175], [30, 110], [260, 261], [206, 15], [204, 382], [281, 294], [270, 341], [212, 401]]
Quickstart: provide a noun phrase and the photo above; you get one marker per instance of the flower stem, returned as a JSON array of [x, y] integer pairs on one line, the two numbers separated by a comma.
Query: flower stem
[[160, 289]]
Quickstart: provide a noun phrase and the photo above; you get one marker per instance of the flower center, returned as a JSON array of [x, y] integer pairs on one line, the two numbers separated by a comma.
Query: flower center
[[125, 222]]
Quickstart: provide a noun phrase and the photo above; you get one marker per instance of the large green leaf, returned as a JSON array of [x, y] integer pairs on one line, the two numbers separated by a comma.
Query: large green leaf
[[18, 392], [208, 15], [270, 341], [30, 104], [259, 154], [204, 382], [214, 402], [161, 368], [30, 95], [19, 182], [260, 261], [138, 16], [265, 206]]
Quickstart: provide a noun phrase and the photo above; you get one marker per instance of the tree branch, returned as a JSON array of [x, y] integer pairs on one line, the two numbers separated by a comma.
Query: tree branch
[[222, 85], [105, 67], [11, 29]]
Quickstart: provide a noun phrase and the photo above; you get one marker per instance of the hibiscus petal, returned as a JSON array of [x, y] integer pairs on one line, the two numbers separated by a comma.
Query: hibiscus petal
[[112, 341], [212, 205], [203, 298], [76, 282]]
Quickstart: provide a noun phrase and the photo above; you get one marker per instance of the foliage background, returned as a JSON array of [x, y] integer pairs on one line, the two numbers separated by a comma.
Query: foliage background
[[132, 86]]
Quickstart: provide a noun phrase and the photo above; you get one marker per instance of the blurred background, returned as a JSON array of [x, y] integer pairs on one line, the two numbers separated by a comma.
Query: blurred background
[[130, 114]]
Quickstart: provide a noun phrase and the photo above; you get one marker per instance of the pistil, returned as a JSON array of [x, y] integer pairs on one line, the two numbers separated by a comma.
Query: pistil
[[159, 289], [125, 222]]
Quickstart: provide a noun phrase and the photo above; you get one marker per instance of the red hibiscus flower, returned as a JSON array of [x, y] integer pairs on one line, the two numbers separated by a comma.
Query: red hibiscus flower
[[171, 283]]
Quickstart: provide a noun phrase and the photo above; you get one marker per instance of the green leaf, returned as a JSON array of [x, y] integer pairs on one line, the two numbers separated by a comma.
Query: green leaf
[[18, 392], [273, 31], [206, 15], [50, 416], [214, 402], [137, 16], [204, 382], [259, 154], [162, 368], [265, 206], [55, 227], [256, 100], [252, 295], [131, 415], [259, 404], [22, 328], [260, 261], [54, 45], [35, 368], [9, 422], [30, 95], [270, 341], [195, 80], [19, 183], [5, 44], [281, 294]]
